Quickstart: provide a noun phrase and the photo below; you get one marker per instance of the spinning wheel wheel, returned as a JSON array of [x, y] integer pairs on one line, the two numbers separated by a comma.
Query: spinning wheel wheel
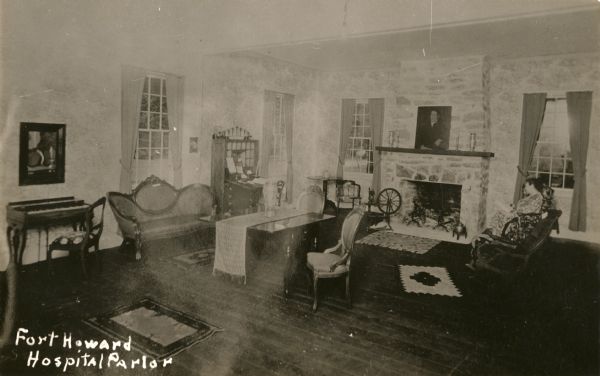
[[389, 201]]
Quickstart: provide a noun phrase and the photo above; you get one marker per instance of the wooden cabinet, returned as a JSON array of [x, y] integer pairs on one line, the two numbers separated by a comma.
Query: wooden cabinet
[[234, 194]]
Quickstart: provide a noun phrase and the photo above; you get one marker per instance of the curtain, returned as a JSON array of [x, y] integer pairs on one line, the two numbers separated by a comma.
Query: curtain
[[534, 106], [376, 109], [579, 109], [132, 85], [174, 86], [267, 133], [345, 129], [288, 118]]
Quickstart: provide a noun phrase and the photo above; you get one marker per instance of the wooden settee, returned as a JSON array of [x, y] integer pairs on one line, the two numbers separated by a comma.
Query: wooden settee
[[156, 210]]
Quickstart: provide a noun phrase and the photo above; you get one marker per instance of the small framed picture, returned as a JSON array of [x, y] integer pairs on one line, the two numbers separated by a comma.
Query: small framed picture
[[193, 144], [42, 153]]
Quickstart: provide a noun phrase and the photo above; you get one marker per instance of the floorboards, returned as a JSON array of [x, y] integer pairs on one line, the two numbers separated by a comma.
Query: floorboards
[[544, 323]]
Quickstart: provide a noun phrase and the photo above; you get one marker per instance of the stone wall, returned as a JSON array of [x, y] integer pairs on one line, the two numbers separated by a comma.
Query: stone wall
[[510, 79], [472, 173]]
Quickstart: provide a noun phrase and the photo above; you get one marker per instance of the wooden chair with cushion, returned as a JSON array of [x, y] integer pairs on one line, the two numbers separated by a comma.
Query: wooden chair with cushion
[[311, 200], [348, 192], [335, 262], [80, 241]]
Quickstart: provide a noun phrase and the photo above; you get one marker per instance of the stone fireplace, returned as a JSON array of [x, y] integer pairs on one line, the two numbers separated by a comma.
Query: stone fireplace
[[448, 185]]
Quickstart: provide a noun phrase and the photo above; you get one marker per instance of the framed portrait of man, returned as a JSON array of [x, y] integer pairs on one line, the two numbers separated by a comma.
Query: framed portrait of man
[[433, 127]]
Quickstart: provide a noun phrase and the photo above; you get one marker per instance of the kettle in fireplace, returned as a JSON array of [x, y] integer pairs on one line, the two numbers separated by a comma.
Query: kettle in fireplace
[[459, 229]]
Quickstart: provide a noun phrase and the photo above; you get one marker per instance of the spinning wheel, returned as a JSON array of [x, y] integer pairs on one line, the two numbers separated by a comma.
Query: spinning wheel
[[389, 201]]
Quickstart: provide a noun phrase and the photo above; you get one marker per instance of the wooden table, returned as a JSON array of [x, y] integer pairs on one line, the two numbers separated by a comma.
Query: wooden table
[[296, 236]]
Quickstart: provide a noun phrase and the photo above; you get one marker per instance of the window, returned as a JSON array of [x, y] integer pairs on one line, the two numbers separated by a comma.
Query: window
[[552, 156], [278, 148], [152, 149], [359, 154]]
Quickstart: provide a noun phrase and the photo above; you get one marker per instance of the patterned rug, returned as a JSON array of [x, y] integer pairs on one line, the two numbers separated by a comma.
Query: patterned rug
[[202, 257], [155, 329], [433, 280], [399, 242]]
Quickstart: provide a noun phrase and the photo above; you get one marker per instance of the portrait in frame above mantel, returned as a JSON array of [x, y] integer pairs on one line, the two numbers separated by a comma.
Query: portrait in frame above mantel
[[42, 153]]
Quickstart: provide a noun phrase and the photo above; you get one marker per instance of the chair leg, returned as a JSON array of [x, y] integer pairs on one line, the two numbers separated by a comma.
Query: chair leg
[[315, 292], [348, 297], [82, 257]]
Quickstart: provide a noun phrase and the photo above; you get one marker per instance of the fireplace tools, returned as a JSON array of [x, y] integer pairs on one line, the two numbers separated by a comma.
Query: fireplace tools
[[459, 229]]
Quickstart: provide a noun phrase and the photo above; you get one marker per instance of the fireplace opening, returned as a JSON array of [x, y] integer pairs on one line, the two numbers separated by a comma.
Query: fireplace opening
[[433, 205]]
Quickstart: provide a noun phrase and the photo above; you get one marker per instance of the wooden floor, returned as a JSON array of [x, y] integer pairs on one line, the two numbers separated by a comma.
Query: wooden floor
[[547, 323]]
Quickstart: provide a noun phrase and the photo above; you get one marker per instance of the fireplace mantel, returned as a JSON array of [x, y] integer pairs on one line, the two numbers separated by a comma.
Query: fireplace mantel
[[462, 153]]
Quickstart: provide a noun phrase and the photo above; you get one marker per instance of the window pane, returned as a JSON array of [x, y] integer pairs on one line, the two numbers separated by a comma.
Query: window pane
[[569, 166], [569, 181], [366, 120], [366, 108], [155, 154], [557, 165], [154, 103], [367, 132], [165, 122], [154, 121], [155, 86], [367, 144], [144, 139], [144, 105], [166, 139], [360, 108], [544, 164], [164, 105], [155, 140], [545, 178], [142, 153], [556, 181], [143, 120], [165, 153], [146, 84]]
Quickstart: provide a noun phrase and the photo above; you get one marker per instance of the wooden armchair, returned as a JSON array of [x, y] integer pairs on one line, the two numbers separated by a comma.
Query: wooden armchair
[[80, 241], [348, 192], [509, 254], [335, 262]]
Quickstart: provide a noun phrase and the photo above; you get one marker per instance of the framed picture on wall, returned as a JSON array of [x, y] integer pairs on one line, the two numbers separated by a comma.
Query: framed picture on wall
[[433, 127], [42, 153]]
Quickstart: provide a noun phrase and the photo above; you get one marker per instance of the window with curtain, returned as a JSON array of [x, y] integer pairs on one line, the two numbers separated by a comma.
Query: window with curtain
[[278, 150], [151, 155], [552, 161], [359, 152]]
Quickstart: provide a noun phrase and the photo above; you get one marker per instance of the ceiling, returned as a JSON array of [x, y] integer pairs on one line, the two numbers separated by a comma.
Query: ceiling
[[546, 34]]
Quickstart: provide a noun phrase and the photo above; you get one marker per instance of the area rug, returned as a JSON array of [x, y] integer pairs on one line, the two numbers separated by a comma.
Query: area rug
[[433, 280], [155, 329], [202, 257], [399, 242]]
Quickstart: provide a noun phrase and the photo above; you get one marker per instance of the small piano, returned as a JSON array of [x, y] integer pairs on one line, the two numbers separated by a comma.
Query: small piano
[[41, 214]]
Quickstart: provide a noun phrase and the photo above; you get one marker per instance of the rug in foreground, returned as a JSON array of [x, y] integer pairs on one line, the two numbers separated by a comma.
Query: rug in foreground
[[433, 280], [155, 329]]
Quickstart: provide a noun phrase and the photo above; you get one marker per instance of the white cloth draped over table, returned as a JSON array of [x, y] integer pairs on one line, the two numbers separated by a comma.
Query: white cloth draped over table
[[230, 246]]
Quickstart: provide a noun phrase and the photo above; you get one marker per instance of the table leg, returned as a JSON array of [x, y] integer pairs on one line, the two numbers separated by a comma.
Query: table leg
[[16, 244]]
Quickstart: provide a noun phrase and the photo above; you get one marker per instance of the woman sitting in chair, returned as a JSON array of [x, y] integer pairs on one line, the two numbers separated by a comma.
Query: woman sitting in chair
[[531, 203]]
